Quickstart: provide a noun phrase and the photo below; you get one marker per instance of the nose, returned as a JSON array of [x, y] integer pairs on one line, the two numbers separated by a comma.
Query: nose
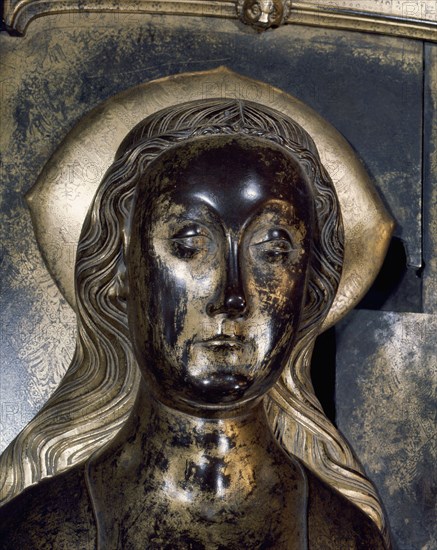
[[231, 303], [235, 302], [264, 17], [230, 300]]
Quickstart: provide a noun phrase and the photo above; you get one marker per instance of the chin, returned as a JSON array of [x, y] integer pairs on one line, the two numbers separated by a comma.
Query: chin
[[219, 388]]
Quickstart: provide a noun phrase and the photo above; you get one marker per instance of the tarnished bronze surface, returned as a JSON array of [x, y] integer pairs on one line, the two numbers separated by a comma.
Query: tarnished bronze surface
[[213, 249], [46, 513], [60, 69], [218, 258]]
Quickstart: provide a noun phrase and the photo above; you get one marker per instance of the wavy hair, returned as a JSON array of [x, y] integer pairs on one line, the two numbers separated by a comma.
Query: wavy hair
[[99, 388]]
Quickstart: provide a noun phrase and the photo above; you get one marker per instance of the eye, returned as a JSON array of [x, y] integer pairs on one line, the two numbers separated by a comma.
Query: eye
[[275, 246], [190, 241], [273, 15], [255, 10]]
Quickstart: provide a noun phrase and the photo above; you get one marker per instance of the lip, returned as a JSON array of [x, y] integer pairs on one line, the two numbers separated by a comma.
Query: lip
[[223, 341]]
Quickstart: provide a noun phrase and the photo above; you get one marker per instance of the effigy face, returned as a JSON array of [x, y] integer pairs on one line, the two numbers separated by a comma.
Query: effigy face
[[263, 14], [219, 248]]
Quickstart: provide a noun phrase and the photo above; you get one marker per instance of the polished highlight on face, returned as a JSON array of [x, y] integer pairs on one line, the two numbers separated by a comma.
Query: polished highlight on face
[[102, 380]]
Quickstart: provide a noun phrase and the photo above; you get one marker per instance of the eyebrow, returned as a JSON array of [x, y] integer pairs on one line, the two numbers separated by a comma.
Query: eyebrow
[[193, 210], [194, 220], [213, 219]]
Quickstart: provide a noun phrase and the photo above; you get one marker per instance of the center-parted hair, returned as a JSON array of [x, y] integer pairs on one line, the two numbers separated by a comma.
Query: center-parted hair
[[99, 388]]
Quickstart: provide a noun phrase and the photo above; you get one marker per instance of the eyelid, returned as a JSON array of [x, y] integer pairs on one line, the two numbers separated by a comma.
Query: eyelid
[[191, 231], [183, 227], [193, 242], [188, 239], [268, 236]]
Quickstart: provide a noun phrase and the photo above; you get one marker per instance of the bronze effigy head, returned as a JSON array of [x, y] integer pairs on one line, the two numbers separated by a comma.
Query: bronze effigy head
[[217, 266]]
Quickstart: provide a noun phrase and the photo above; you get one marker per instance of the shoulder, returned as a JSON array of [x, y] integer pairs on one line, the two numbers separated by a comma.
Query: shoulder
[[334, 522], [56, 513]]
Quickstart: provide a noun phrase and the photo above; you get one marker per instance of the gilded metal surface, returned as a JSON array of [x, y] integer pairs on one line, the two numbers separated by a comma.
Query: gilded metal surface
[[43, 97], [49, 509], [91, 145], [410, 19], [417, 19], [213, 248], [417, 10], [326, 68]]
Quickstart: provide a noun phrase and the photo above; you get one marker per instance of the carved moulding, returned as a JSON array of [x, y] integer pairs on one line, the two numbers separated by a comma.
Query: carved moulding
[[416, 20]]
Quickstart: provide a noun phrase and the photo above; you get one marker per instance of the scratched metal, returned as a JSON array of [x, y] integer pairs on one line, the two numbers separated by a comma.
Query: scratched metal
[[255, 306], [369, 87], [386, 403], [429, 183]]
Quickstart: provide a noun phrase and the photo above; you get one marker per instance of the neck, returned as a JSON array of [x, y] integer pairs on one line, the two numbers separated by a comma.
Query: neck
[[175, 431], [195, 458], [199, 471]]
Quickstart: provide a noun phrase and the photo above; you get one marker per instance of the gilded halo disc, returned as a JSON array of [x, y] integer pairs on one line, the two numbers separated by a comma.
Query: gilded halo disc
[[60, 198]]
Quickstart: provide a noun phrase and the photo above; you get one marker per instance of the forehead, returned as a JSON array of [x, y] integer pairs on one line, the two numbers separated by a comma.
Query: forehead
[[233, 178]]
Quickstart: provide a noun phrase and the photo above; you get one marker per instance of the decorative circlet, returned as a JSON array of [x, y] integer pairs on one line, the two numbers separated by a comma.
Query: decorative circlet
[[263, 14]]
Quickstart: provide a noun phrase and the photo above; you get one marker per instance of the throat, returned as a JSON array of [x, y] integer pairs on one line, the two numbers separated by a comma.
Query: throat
[[196, 457], [221, 478]]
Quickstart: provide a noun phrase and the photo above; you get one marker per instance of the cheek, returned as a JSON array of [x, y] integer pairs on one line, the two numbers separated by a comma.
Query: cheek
[[180, 293], [277, 297], [278, 291], [168, 306]]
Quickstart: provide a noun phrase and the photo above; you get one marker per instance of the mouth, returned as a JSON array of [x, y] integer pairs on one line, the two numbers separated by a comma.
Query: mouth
[[223, 341]]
